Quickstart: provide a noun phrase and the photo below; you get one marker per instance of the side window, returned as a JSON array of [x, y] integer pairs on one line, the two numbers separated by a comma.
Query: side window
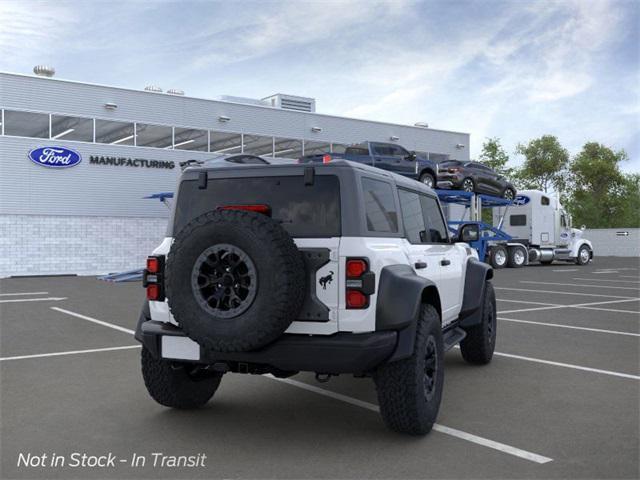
[[380, 208], [544, 201], [518, 220], [398, 151], [412, 216], [436, 228]]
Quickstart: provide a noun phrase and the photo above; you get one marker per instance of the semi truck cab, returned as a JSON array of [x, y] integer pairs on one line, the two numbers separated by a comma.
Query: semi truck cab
[[538, 221]]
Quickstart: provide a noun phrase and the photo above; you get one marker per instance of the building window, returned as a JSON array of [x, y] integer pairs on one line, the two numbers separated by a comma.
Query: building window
[[71, 128], [156, 136], [287, 148], [191, 139], [258, 145], [226, 143], [26, 124], [316, 148], [338, 148], [114, 133], [380, 208]]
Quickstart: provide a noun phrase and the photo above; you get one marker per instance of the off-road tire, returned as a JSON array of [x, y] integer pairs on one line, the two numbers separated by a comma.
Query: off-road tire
[[173, 384], [512, 261], [495, 256], [280, 280], [479, 344], [401, 384], [425, 177]]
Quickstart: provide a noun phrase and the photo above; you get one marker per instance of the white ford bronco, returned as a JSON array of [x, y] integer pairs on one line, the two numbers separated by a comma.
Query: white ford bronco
[[330, 268]]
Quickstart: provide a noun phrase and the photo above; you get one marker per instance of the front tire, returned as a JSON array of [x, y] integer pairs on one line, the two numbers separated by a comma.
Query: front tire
[[468, 185], [428, 180], [509, 194], [584, 255], [410, 390], [177, 385], [478, 346]]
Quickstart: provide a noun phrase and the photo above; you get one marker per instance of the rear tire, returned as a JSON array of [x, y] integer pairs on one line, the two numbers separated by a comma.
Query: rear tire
[[175, 384], [410, 390], [428, 180], [498, 257], [478, 346], [517, 257]]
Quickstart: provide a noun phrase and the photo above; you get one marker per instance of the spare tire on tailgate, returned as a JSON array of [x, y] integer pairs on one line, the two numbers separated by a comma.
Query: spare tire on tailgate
[[235, 280]]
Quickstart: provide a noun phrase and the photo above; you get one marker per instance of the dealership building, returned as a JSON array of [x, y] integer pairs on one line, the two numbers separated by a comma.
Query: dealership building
[[91, 217]]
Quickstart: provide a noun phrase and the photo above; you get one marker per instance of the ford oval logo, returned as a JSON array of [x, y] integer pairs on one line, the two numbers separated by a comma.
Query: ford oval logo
[[55, 157], [521, 200]]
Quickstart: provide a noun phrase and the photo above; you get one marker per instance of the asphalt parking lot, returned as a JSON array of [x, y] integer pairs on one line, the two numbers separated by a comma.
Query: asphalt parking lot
[[560, 399]]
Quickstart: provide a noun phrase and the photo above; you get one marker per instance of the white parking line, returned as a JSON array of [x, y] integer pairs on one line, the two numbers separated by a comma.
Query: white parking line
[[581, 285], [587, 306], [628, 276], [23, 293], [93, 320], [20, 300], [71, 352], [561, 293], [605, 280], [597, 330], [485, 442], [567, 270], [528, 302], [568, 365]]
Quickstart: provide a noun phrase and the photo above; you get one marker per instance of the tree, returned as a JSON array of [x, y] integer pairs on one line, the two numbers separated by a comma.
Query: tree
[[495, 157], [601, 195], [545, 164]]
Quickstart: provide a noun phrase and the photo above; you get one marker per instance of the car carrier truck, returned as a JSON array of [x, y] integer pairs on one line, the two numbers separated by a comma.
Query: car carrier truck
[[538, 223]]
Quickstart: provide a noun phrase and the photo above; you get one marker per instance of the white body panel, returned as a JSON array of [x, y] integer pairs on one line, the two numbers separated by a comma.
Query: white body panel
[[381, 252]]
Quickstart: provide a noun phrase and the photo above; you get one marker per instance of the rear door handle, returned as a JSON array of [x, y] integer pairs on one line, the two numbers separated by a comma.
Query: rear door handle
[[445, 262], [420, 265]]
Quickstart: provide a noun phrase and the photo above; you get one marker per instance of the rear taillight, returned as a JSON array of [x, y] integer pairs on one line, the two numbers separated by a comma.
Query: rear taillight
[[265, 209], [360, 283], [326, 158], [153, 278]]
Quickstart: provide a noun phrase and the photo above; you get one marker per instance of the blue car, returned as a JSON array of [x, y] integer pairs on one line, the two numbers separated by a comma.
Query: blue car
[[387, 156]]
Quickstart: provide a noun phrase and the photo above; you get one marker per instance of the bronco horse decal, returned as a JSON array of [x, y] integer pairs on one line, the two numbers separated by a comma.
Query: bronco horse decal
[[324, 281]]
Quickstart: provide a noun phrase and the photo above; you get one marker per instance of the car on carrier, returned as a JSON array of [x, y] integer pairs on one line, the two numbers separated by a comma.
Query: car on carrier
[[474, 177], [336, 268]]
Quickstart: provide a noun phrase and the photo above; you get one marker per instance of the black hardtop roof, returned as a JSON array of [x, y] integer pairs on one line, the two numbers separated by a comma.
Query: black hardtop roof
[[299, 168]]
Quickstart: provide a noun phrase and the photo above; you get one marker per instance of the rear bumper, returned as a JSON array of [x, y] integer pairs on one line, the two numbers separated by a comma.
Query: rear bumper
[[338, 353]]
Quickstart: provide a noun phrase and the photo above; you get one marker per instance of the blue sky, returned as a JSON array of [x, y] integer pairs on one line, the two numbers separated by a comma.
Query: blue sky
[[514, 70]]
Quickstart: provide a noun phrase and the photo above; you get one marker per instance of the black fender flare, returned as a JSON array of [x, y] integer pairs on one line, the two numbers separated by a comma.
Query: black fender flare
[[149, 341], [401, 292], [430, 171], [475, 280]]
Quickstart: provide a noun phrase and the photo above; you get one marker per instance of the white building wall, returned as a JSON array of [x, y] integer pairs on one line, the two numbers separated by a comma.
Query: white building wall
[[614, 242], [54, 245]]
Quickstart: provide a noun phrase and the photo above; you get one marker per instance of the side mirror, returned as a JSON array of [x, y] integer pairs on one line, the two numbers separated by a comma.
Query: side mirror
[[469, 233], [583, 227], [411, 157]]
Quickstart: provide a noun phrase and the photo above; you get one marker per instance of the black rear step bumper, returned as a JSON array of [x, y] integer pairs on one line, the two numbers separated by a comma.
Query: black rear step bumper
[[343, 352]]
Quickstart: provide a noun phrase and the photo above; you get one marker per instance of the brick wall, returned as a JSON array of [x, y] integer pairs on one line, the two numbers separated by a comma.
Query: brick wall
[[48, 245]]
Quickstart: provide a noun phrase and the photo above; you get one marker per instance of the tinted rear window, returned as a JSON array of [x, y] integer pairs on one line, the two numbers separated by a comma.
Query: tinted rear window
[[303, 210], [518, 220]]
